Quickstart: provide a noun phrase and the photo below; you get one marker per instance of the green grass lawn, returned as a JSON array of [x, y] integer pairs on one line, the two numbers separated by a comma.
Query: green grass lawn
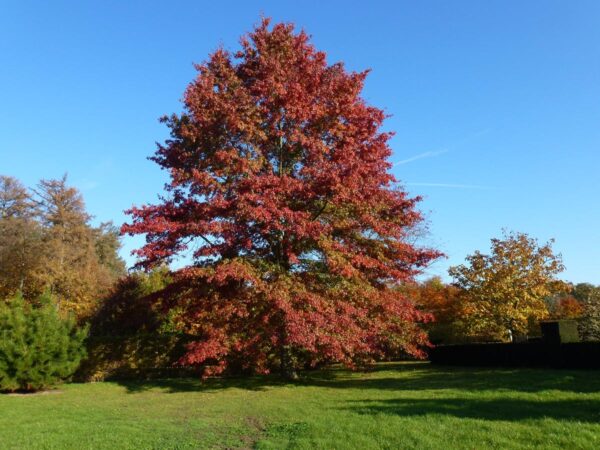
[[395, 406]]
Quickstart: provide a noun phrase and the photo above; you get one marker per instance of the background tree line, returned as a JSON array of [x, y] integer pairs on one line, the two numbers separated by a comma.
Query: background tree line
[[504, 295], [48, 244], [51, 254]]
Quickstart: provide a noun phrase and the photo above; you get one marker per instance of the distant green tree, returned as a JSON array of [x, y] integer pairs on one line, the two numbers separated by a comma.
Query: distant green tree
[[38, 348], [107, 242], [589, 323]]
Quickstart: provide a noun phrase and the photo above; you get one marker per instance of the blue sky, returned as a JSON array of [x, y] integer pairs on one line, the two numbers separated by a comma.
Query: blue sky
[[495, 104]]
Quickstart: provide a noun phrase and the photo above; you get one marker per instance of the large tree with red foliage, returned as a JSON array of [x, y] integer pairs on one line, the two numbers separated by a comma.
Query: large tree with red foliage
[[280, 187]]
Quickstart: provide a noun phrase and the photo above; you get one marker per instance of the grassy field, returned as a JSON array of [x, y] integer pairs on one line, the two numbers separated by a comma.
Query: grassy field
[[395, 406]]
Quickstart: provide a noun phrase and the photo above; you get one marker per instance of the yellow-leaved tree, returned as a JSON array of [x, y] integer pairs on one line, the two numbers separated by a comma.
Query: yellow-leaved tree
[[503, 292]]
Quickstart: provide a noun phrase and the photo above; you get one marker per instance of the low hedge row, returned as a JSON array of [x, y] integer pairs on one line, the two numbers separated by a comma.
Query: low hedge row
[[135, 357], [576, 355]]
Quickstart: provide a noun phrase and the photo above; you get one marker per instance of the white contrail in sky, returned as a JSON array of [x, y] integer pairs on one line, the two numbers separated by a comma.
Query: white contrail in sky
[[420, 156], [450, 185], [431, 154]]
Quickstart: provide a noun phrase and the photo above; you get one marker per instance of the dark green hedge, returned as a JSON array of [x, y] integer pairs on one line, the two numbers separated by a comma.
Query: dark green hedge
[[135, 357], [560, 331], [576, 355]]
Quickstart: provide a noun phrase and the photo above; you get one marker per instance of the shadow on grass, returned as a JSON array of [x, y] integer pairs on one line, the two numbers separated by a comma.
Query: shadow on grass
[[419, 376], [395, 377], [175, 385], [486, 409]]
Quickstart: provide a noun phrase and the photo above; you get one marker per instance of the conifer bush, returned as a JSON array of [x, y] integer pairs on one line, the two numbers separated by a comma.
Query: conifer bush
[[38, 348]]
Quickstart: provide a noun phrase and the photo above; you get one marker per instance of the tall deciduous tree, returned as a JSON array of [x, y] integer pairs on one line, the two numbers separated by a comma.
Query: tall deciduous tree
[[21, 237], [503, 292], [47, 243], [15, 200], [78, 257], [280, 186]]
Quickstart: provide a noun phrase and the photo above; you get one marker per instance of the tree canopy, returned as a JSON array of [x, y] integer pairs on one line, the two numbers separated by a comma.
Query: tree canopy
[[503, 292], [280, 189]]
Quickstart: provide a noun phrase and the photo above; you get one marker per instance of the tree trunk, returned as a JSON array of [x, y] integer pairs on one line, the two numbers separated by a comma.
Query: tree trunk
[[288, 371], [511, 335]]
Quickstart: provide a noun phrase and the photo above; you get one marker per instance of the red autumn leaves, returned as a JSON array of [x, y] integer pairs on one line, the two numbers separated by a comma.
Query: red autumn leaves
[[280, 186]]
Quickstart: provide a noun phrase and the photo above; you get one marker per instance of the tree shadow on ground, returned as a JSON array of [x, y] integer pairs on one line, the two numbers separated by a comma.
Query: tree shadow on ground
[[175, 385], [420, 376], [497, 409], [395, 377]]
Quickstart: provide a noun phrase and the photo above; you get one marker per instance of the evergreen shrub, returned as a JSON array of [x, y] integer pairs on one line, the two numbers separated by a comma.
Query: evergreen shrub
[[38, 348]]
